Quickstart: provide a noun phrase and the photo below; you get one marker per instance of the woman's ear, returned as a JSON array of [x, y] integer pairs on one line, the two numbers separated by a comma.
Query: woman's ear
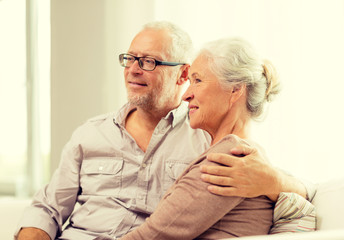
[[184, 74], [237, 91]]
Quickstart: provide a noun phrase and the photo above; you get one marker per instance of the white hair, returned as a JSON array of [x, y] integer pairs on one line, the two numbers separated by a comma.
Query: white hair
[[234, 61], [181, 49]]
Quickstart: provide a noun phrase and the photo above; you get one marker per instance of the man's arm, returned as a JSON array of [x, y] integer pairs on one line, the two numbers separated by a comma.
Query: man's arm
[[53, 204], [248, 174], [32, 234]]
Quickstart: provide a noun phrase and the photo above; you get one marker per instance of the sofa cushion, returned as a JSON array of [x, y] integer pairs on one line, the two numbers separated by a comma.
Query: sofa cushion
[[337, 234], [293, 213], [11, 209], [329, 202]]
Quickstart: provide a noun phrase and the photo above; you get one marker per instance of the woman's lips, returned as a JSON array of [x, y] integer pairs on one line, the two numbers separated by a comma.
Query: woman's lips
[[192, 109]]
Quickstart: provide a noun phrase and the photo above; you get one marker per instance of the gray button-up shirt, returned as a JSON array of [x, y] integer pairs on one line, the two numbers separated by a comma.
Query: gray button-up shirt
[[116, 184]]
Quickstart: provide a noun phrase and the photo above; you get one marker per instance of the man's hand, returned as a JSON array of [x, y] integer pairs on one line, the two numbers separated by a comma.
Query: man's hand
[[247, 174], [32, 234]]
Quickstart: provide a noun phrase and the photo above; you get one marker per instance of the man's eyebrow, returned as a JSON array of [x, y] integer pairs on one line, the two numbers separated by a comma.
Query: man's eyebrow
[[144, 54]]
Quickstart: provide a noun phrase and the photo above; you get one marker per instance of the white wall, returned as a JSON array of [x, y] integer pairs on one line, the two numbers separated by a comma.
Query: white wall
[[304, 38], [302, 131], [86, 80]]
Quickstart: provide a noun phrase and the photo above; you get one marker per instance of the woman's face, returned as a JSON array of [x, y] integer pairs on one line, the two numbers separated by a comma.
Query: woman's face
[[208, 102]]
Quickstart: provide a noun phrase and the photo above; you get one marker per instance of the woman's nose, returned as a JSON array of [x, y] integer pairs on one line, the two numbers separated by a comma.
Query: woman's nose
[[188, 96]]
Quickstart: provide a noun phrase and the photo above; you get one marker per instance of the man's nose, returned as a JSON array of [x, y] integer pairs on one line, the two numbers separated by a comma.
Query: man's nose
[[135, 67]]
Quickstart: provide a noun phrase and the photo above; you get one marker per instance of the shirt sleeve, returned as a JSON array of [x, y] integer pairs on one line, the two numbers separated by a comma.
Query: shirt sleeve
[[311, 189], [53, 204], [186, 211]]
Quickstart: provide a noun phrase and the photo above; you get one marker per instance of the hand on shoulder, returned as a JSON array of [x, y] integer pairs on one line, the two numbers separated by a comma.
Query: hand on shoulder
[[246, 173]]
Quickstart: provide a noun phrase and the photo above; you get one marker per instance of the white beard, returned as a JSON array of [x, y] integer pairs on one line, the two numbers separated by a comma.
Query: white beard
[[158, 99]]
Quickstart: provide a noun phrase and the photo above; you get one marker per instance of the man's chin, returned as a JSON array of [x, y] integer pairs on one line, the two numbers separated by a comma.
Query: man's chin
[[142, 102]]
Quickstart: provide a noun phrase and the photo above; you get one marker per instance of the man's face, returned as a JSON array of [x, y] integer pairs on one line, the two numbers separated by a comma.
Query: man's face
[[150, 89]]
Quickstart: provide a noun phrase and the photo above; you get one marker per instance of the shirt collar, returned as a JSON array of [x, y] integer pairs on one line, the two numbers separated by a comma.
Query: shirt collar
[[176, 115], [122, 114]]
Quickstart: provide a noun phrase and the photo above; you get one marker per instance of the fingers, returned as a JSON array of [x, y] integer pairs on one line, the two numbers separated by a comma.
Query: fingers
[[242, 150], [229, 160], [222, 158], [217, 180], [216, 170]]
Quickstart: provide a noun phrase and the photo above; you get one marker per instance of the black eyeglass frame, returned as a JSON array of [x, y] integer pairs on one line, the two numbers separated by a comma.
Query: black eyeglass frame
[[157, 62]]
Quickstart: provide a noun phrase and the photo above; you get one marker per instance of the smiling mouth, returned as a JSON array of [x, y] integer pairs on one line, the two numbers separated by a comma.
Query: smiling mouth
[[192, 109], [138, 84]]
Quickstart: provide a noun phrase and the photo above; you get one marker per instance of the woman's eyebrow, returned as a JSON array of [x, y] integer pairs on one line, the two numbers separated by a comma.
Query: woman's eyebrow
[[195, 75]]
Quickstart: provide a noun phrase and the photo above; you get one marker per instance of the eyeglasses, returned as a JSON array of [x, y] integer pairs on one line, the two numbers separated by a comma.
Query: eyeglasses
[[145, 63]]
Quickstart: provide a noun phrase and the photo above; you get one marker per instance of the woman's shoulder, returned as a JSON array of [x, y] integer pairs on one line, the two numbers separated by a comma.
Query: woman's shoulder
[[227, 143], [232, 138]]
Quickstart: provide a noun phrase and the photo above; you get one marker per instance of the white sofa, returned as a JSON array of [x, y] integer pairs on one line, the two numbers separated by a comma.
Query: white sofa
[[329, 202], [11, 209]]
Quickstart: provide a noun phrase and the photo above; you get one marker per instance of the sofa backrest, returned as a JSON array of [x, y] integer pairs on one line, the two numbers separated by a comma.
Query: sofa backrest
[[11, 209], [329, 203]]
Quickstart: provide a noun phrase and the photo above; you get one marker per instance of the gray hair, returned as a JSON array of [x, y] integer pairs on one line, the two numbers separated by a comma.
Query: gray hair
[[181, 49], [234, 61]]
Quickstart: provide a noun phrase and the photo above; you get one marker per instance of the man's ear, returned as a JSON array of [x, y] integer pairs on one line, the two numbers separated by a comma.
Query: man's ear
[[237, 91], [184, 74]]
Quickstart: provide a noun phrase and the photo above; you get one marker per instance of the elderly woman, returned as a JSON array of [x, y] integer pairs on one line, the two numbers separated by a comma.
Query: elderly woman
[[229, 85]]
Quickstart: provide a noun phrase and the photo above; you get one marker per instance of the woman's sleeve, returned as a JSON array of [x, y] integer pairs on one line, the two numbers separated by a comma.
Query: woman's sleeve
[[187, 211]]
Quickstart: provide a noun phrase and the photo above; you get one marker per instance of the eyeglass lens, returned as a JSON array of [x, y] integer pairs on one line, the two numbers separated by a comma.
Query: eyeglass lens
[[145, 63]]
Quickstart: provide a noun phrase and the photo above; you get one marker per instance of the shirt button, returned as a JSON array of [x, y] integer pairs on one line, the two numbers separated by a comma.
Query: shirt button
[[144, 165], [100, 168]]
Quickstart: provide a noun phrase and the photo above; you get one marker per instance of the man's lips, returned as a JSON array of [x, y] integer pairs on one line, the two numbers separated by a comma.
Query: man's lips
[[137, 84]]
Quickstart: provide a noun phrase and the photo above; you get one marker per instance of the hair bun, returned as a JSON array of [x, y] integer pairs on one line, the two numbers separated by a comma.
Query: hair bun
[[272, 82]]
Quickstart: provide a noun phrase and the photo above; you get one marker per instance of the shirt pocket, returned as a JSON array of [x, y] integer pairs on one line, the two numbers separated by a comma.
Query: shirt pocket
[[101, 176], [172, 171]]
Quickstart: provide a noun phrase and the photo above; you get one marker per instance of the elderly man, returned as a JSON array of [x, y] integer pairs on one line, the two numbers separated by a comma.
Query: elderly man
[[118, 166]]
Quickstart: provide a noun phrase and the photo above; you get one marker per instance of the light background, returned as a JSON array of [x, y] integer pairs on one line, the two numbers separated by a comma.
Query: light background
[[303, 129]]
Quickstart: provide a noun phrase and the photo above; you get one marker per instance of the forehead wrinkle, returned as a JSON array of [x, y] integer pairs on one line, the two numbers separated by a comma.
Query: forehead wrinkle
[[151, 43], [157, 56]]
